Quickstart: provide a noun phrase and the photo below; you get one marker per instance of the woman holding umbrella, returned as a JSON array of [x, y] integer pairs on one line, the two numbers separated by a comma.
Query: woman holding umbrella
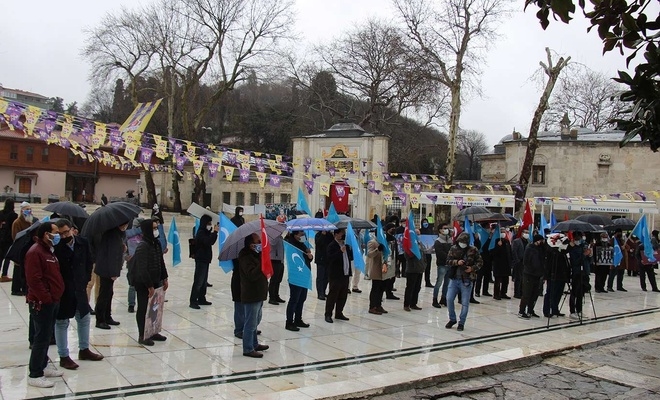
[[146, 273]]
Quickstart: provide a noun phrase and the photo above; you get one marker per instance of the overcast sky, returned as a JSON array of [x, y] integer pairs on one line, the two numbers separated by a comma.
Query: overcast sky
[[42, 41]]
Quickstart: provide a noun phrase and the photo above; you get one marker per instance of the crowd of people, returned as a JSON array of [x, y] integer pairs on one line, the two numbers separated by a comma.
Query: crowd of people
[[60, 268]]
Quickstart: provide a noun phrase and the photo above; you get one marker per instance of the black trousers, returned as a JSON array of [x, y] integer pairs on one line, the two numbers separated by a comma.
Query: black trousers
[[427, 270], [376, 293], [413, 286], [576, 298], [501, 286], [276, 279], [618, 273], [530, 293], [483, 278], [142, 295], [104, 301], [644, 271], [517, 280], [18, 283], [602, 271], [337, 295], [198, 290], [4, 247]]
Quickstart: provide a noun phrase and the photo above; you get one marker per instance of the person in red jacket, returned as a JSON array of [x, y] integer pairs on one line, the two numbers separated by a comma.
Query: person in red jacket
[[45, 288]]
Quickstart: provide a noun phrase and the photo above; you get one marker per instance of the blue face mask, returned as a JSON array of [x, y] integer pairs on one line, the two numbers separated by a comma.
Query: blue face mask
[[425, 225], [27, 213], [257, 248], [55, 239]]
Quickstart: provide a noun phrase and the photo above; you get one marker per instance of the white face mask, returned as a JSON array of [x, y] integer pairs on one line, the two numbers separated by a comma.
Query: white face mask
[[302, 239], [604, 240], [584, 238], [462, 245], [445, 231], [156, 233], [503, 235], [240, 213], [209, 227], [525, 236]]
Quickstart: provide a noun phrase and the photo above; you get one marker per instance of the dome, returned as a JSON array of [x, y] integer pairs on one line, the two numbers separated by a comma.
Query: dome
[[506, 138]]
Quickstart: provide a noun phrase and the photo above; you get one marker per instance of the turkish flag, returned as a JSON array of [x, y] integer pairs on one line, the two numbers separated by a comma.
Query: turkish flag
[[266, 265], [406, 243], [527, 220], [457, 230]]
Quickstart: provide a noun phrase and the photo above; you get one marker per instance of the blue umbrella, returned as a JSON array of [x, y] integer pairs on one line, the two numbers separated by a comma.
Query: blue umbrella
[[310, 224]]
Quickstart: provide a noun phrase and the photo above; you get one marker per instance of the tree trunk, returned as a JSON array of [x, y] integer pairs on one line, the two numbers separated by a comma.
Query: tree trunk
[[151, 188], [176, 194], [552, 73], [175, 191], [454, 119]]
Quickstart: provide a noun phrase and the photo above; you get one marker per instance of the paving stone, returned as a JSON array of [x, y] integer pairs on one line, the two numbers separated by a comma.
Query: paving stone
[[519, 390]]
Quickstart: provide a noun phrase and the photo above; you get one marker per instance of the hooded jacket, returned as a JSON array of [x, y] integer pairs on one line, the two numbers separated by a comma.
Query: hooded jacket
[[237, 219], [147, 267], [254, 284], [204, 241], [533, 264]]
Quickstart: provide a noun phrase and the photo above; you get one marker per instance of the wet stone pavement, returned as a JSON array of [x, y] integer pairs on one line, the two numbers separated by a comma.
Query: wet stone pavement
[[628, 369]]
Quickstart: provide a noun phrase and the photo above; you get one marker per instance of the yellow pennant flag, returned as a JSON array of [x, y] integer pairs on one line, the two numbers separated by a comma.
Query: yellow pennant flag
[[278, 158], [261, 177], [188, 176], [343, 173], [3, 106], [90, 158], [243, 159], [387, 198], [197, 166], [414, 200], [229, 172], [490, 188], [273, 164], [74, 144], [655, 193], [130, 151], [318, 164], [140, 117], [32, 115], [161, 147], [508, 188], [67, 126], [413, 177], [407, 187], [325, 189]]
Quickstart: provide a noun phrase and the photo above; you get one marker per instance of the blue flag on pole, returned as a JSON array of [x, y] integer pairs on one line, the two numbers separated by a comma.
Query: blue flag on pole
[[381, 239], [642, 232], [352, 241], [226, 228], [299, 274], [495, 238], [553, 220], [365, 240], [414, 246], [173, 237], [302, 203], [618, 254], [483, 235], [332, 217], [468, 230], [544, 224], [195, 227]]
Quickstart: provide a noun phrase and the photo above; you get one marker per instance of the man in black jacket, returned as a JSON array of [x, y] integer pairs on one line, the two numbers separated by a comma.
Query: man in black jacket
[[441, 246], [206, 236], [339, 272], [557, 273], [76, 265], [108, 251], [533, 269], [321, 241]]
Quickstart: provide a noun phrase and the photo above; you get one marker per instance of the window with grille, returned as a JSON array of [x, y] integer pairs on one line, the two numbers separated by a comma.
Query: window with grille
[[44, 155], [285, 198], [269, 198], [13, 152], [240, 198], [254, 198], [538, 174], [226, 197]]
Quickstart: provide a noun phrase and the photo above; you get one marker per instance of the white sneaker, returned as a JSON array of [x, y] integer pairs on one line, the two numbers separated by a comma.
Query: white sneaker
[[40, 382], [574, 316], [51, 372]]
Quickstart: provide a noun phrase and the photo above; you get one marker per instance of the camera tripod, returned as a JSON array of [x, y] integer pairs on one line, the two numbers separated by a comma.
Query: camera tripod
[[568, 292]]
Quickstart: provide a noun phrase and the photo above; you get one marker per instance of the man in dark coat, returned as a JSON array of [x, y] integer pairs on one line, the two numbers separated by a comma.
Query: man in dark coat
[[339, 273], [239, 318], [518, 247], [206, 236], [533, 270], [321, 241], [108, 251], [557, 273], [254, 290], [500, 258], [7, 218], [76, 265]]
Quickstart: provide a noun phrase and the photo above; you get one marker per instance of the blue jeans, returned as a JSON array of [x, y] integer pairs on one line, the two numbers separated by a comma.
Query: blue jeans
[[442, 272], [239, 318], [252, 319], [297, 297], [43, 321], [455, 286], [131, 296], [61, 327]]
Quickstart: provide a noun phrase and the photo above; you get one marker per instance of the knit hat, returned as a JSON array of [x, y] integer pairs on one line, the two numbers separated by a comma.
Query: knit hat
[[389, 226], [538, 238], [25, 204]]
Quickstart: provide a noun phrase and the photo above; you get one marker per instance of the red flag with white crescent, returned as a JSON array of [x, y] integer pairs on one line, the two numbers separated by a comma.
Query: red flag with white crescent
[[406, 243], [457, 230], [266, 265], [527, 220]]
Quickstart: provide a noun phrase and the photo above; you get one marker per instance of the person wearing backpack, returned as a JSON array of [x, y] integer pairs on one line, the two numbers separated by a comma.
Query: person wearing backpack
[[7, 218]]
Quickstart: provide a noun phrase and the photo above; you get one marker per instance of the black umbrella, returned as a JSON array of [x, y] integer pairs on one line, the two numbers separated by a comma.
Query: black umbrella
[[594, 219], [494, 217], [22, 243], [574, 225], [473, 213], [67, 208], [625, 224], [356, 223], [109, 217]]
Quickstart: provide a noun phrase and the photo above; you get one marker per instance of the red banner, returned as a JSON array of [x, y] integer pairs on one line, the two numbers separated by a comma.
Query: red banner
[[266, 265], [339, 196]]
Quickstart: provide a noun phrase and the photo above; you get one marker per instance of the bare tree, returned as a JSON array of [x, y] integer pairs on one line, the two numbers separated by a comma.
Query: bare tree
[[449, 36], [98, 105], [471, 144], [552, 72], [590, 98]]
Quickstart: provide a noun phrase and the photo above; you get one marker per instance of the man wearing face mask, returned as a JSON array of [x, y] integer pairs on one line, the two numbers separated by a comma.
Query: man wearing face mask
[[254, 290], [108, 252], [45, 288], [441, 246], [500, 257], [297, 294], [533, 270], [76, 264], [205, 238], [339, 273], [604, 258], [464, 262], [25, 220], [517, 254], [617, 271], [427, 229]]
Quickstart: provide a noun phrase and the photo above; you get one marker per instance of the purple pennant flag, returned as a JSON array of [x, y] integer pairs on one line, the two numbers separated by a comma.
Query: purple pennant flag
[[617, 195], [178, 147], [87, 130], [172, 142], [258, 161], [43, 135], [309, 185], [213, 170], [496, 187], [261, 168], [284, 166], [594, 200], [145, 155], [306, 166], [377, 191], [180, 162], [231, 158], [432, 197], [274, 181], [65, 143], [488, 199], [386, 176], [244, 175], [116, 144], [371, 185], [381, 163], [331, 171], [641, 195], [308, 161], [397, 186], [14, 113], [114, 132], [425, 178], [404, 199], [405, 177], [417, 188]]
